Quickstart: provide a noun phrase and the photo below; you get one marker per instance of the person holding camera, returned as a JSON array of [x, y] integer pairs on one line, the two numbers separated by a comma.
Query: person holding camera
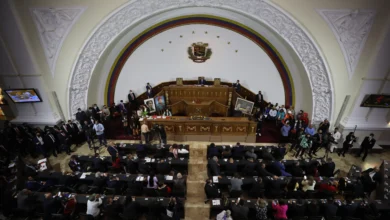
[[348, 143]]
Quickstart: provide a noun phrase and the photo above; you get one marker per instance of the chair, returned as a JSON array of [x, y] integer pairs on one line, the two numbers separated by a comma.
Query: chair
[[58, 216], [150, 192], [235, 193], [84, 216]]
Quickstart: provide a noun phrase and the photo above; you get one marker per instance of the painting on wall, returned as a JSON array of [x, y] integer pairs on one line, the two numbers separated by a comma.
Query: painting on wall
[[149, 103], [376, 101], [160, 103], [244, 106]]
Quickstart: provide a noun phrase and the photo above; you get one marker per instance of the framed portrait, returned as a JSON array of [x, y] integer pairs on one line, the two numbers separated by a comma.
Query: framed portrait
[[159, 103], [149, 103], [244, 106]]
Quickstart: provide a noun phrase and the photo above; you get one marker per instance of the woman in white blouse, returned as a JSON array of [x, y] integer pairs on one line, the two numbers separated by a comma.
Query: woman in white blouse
[[308, 184], [93, 205]]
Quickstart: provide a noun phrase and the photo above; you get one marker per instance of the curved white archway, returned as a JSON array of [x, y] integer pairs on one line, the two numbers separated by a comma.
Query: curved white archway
[[262, 11]]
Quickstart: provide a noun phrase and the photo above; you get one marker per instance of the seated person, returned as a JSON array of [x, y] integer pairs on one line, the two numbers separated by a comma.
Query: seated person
[[33, 185], [98, 164], [347, 210], [262, 171], [70, 206], [280, 209], [93, 205], [143, 167], [266, 154], [179, 183], [74, 164], [273, 187], [257, 190], [214, 167], [308, 184], [152, 181], [167, 113], [236, 183], [296, 209], [226, 153], [131, 208], [250, 168], [211, 190], [163, 167], [330, 187], [327, 169], [313, 208], [239, 210], [251, 154], [238, 151], [370, 178], [67, 180], [114, 183], [293, 191], [279, 152], [117, 163], [296, 170], [163, 189], [112, 208], [99, 181], [230, 168], [329, 208], [131, 165], [282, 168], [212, 151], [26, 201]]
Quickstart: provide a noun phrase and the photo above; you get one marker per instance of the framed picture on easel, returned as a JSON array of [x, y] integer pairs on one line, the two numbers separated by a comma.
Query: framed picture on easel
[[244, 106]]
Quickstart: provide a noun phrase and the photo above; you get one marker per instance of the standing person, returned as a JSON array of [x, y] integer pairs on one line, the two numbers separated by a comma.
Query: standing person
[[81, 116], [259, 99], [74, 131], [348, 143], [259, 119], [40, 144], [261, 209], [93, 205], [285, 132], [280, 210], [99, 129], [304, 144], [336, 135], [145, 132], [148, 86], [125, 124], [237, 85], [122, 108], [316, 143], [112, 150], [239, 210], [51, 143], [135, 125], [324, 126], [88, 131], [367, 144], [163, 134], [132, 98]]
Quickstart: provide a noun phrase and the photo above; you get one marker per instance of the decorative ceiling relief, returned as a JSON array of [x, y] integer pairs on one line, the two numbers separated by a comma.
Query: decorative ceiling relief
[[260, 10], [53, 26], [351, 28]]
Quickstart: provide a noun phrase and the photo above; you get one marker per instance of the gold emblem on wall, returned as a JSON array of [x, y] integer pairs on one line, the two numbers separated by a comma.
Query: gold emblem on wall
[[204, 128], [170, 128], [199, 53], [241, 129]]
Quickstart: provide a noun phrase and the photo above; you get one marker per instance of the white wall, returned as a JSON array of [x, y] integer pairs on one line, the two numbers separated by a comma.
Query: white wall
[[251, 65]]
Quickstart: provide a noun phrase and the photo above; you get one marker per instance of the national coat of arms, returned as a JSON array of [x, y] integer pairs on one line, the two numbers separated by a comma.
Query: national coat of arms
[[199, 53]]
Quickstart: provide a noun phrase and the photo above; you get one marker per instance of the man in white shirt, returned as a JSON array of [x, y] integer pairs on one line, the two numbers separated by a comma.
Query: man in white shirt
[[99, 128], [336, 135], [93, 205]]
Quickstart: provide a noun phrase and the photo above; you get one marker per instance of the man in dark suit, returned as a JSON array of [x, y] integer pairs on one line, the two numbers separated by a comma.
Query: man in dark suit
[[89, 132], [98, 164], [143, 167], [296, 208], [112, 209], [260, 168], [74, 165], [40, 144], [213, 151], [347, 210], [214, 166], [81, 116], [327, 169], [266, 154], [51, 144], [26, 201], [250, 168], [131, 165], [296, 170], [114, 183], [230, 168], [64, 141], [202, 81], [329, 208], [99, 181], [348, 143], [211, 190], [50, 206], [148, 86], [149, 93], [316, 143], [74, 132], [64, 128], [237, 85], [259, 99], [132, 98], [238, 151], [273, 187], [367, 144]]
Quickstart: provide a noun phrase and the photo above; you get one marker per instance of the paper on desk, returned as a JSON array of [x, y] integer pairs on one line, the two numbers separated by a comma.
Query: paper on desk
[[147, 159], [83, 176], [216, 202], [153, 160], [168, 177], [215, 179], [140, 178], [11, 165]]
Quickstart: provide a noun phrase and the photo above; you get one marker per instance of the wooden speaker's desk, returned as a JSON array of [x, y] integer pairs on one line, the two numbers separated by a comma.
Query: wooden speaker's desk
[[182, 128]]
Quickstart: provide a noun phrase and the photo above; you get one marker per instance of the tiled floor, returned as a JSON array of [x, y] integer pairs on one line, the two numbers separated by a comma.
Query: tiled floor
[[195, 207]]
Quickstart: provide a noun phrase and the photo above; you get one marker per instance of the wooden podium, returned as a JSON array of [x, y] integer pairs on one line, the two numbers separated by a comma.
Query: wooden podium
[[198, 100]]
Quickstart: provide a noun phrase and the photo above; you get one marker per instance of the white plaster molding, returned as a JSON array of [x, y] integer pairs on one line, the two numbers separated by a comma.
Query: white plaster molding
[[263, 11], [351, 29], [379, 123], [53, 26]]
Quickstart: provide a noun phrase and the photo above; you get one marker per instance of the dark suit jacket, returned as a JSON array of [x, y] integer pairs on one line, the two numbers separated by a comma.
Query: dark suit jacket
[[163, 168], [37, 143], [112, 211], [131, 99], [249, 169], [81, 117], [95, 112], [99, 182], [73, 166], [112, 151], [347, 210], [330, 209], [296, 171], [368, 144], [230, 169], [327, 169], [214, 168], [238, 151], [237, 86], [202, 82], [262, 171], [49, 143], [296, 210], [149, 94], [213, 151], [259, 98], [98, 164], [131, 210]]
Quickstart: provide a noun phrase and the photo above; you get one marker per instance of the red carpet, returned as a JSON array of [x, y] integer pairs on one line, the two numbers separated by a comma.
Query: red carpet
[[270, 133]]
